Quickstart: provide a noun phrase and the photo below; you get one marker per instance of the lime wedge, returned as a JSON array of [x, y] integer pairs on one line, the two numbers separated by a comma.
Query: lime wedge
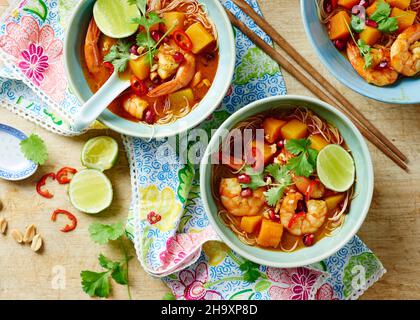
[[90, 191], [113, 17], [335, 168], [100, 153]]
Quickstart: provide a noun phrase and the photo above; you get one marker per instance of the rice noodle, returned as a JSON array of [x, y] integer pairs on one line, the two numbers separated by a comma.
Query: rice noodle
[[324, 16], [293, 248]]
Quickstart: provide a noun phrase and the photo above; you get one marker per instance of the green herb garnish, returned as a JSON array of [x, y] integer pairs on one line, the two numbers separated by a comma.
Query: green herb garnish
[[34, 149], [97, 284], [251, 272], [365, 50], [257, 179], [304, 163], [382, 17], [119, 55]]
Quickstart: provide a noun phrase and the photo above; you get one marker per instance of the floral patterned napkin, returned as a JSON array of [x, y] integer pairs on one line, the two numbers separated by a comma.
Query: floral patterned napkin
[[167, 222]]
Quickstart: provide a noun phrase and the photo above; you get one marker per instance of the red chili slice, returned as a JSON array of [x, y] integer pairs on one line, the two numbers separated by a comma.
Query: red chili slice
[[72, 218], [310, 190], [63, 175], [42, 182], [138, 86], [294, 218], [182, 40]]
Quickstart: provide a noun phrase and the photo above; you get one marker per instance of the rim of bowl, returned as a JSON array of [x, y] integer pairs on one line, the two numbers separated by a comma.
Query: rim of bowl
[[335, 72], [155, 134], [230, 122]]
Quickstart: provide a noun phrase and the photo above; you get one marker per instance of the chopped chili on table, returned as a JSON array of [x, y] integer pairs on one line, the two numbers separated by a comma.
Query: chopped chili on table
[[63, 175], [42, 182], [70, 216]]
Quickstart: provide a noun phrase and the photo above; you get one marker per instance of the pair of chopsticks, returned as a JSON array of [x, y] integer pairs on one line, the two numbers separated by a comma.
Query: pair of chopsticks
[[368, 130]]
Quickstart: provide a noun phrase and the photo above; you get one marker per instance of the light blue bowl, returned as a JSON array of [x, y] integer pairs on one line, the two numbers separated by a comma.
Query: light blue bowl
[[73, 49], [404, 91], [359, 206]]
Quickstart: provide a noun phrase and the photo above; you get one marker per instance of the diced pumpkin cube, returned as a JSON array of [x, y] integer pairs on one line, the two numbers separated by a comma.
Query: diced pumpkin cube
[[371, 9], [339, 26], [174, 19], [318, 142], [266, 152], [333, 202], [348, 4], [402, 4], [200, 37], [405, 18], [140, 67], [370, 35], [179, 99], [294, 129], [251, 224], [272, 129], [270, 234]]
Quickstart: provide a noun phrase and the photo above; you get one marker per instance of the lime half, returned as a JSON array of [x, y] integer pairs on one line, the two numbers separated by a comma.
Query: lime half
[[335, 168], [113, 17], [100, 153], [90, 191]]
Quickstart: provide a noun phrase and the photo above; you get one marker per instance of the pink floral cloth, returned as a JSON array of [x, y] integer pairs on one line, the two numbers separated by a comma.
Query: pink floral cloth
[[38, 55]]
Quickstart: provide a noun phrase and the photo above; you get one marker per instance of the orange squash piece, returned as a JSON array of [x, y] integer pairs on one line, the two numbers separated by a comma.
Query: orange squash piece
[[251, 224], [333, 202], [370, 35], [270, 234], [294, 129], [338, 26], [267, 151], [405, 18], [318, 142], [401, 4], [371, 9], [272, 129], [348, 4]]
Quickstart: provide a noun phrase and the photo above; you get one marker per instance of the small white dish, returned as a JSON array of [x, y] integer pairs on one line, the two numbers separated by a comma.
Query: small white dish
[[13, 164]]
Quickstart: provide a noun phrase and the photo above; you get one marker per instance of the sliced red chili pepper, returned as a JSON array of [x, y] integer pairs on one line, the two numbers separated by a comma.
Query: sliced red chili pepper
[[62, 175], [182, 40], [294, 218], [42, 182], [109, 66], [138, 86], [310, 190], [72, 218]]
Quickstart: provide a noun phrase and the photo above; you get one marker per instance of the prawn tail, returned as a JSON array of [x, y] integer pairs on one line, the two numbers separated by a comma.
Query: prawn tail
[[165, 89]]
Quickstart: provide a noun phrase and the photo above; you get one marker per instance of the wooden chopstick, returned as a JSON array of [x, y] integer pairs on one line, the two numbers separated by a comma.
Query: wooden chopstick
[[293, 53], [310, 84]]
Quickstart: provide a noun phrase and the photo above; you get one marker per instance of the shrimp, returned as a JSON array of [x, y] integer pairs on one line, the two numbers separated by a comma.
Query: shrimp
[[235, 204], [310, 222], [183, 77], [405, 52], [380, 77], [92, 53], [135, 106]]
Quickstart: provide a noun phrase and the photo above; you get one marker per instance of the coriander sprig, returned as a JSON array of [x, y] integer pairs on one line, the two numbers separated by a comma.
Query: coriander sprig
[[304, 163], [382, 17], [34, 149]]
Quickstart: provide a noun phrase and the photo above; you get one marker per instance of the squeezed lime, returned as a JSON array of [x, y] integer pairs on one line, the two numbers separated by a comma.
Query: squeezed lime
[[90, 191], [335, 167], [100, 153], [114, 18]]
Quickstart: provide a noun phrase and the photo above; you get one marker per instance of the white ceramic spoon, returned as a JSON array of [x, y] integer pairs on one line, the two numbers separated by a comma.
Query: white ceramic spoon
[[92, 109]]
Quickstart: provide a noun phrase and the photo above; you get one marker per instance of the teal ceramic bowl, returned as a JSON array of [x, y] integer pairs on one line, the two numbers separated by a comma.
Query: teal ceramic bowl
[[359, 206], [74, 41], [404, 91]]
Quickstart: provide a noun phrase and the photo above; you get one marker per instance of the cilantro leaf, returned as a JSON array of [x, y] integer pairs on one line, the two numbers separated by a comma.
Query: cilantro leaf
[[119, 55], [389, 25], [296, 146], [365, 51], [357, 24], [143, 40], [102, 233], [251, 272], [282, 179], [96, 284], [273, 195], [382, 17], [305, 161], [34, 149], [257, 179], [300, 165]]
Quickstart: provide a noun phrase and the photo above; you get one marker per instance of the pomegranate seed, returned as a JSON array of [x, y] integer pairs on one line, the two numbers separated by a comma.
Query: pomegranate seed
[[383, 65], [155, 35], [280, 144], [340, 44], [371, 23], [272, 215], [308, 239], [133, 50], [149, 117], [179, 57], [328, 7], [166, 39], [246, 193], [244, 178]]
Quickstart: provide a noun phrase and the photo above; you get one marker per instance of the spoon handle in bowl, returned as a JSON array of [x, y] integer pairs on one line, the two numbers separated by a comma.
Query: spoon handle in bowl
[[91, 110]]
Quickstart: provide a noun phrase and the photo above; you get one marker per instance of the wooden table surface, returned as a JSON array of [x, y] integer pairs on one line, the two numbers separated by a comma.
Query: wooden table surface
[[391, 230]]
